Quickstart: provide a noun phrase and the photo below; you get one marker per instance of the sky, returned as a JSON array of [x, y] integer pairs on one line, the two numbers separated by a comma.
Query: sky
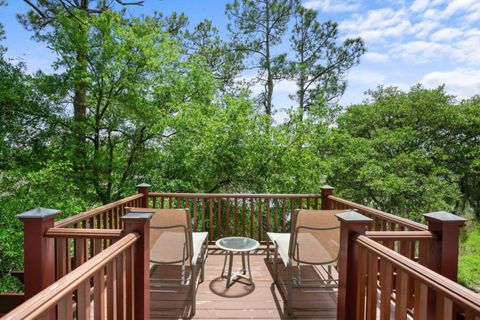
[[429, 42]]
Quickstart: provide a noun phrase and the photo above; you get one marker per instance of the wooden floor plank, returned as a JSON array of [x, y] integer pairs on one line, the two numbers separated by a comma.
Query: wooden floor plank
[[263, 300]]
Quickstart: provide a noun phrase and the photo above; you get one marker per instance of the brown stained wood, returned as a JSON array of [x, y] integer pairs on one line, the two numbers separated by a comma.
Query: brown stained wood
[[259, 219], [372, 287], [111, 284], [203, 214], [129, 292], [244, 217], [178, 205], [154, 202], [99, 294], [227, 217], [120, 287], [79, 251], [361, 282], [421, 301], [97, 246], [65, 307], [169, 202], [252, 207], [399, 235], [76, 233], [91, 213], [235, 216], [235, 195], [83, 301], [284, 215], [401, 296], [316, 203], [386, 277], [210, 230], [194, 214], [162, 202], [267, 213], [219, 217], [275, 216], [377, 213], [61, 257], [292, 208]]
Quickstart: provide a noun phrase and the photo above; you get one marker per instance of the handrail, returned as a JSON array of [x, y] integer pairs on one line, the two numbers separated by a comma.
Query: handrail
[[50, 296], [381, 214], [91, 213], [400, 235], [234, 195], [83, 233], [431, 279]]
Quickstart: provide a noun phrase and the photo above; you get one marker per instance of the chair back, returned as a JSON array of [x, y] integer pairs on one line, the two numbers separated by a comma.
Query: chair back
[[170, 235], [315, 236]]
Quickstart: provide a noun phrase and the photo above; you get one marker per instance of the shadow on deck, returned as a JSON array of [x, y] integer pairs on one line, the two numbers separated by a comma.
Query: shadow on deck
[[263, 300]]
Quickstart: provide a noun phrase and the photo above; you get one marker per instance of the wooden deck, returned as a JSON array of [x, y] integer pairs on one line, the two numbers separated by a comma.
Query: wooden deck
[[263, 300]]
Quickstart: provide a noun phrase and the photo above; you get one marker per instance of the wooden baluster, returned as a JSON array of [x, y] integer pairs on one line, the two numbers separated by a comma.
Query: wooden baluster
[[235, 216], [203, 214], [275, 217], [177, 203], [316, 203], [154, 201], [421, 301], [361, 282], [170, 202], [227, 217], [61, 257], [111, 281], [83, 301], [292, 209], [120, 287], [386, 278], [219, 217], [210, 232], [259, 219], [244, 217], [129, 270], [69, 255], [267, 203], [308, 202], [372, 287], [194, 214], [423, 246], [65, 307], [252, 206], [284, 215], [99, 294], [162, 202], [401, 295]]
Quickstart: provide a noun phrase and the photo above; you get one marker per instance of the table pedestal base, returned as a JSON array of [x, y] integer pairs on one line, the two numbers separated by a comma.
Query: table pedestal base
[[242, 273]]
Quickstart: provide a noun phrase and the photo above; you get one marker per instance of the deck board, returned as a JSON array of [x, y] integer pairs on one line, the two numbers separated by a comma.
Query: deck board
[[241, 300]]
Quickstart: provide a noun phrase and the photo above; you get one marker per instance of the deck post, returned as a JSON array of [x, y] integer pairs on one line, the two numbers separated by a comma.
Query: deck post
[[326, 192], [351, 224], [38, 251], [443, 256], [143, 188], [139, 222]]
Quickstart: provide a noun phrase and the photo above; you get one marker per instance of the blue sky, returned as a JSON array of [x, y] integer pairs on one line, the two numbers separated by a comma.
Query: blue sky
[[421, 41]]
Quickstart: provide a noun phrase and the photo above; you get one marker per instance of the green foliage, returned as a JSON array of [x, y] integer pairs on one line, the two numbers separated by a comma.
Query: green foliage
[[469, 261]]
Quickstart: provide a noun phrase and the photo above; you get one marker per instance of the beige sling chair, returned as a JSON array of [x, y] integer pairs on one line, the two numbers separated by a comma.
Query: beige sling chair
[[314, 240], [172, 242]]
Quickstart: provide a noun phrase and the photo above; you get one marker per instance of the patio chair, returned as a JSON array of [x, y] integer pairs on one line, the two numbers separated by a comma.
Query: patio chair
[[172, 242], [315, 241]]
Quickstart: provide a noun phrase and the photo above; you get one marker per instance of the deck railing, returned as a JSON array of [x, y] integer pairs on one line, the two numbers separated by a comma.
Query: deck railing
[[74, 296], [378, 250]]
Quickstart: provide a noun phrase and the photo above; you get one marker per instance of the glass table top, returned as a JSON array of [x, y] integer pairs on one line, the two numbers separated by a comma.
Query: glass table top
[[237, 244]]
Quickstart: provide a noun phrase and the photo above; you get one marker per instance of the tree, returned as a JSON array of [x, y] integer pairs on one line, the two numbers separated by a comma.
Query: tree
[[219, 56], [45, 13], [320, 63], [256, 27]]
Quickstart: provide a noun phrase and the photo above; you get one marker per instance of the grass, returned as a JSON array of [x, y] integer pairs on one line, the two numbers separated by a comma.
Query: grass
[[469, 260]]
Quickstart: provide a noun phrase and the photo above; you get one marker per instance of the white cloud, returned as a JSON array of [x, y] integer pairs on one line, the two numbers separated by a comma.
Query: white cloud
[[375, 57], [464, 83], [423, 51], [419, 5], [332, 6], [424, 28], [446, 34], [457, 5], [366, 77]]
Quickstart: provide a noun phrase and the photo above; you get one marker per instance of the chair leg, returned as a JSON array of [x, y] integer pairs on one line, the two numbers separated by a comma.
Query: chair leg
[[193, 288], [289, 289], [275, 266]]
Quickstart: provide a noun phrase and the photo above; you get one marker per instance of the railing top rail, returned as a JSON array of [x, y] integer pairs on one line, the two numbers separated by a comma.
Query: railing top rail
[[381, 214], [91, 213], [430, 278], [83, 233], [400, 235], [233, 195], [50, 296]]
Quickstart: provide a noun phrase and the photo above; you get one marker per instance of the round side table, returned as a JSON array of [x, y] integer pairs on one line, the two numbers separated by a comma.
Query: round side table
[[233, 245]]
